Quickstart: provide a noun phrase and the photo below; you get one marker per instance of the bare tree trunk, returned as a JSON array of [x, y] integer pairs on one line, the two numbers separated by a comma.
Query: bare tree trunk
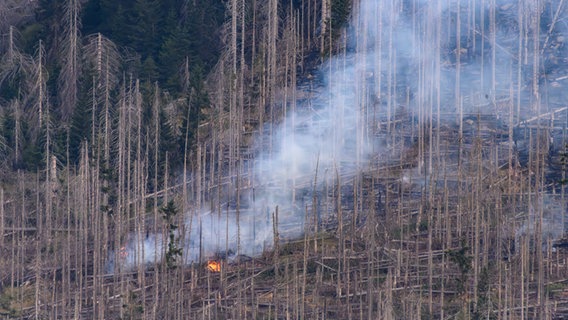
[[157, 246], [2, 218], [324, 22], [69, 77]]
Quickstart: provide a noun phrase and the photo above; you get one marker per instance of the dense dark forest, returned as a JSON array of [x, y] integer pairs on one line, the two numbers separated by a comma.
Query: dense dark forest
[[293, 159], [88, 52]]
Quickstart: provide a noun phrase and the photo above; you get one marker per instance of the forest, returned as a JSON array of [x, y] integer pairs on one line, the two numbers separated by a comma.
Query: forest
[[292, 159]]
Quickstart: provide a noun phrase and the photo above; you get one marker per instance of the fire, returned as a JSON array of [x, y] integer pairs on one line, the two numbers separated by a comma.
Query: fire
[[123, 253], [214, 266]]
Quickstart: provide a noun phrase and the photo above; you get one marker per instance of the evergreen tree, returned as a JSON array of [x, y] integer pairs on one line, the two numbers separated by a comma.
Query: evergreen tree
[[149, 70], [147, 19], [175, 48]]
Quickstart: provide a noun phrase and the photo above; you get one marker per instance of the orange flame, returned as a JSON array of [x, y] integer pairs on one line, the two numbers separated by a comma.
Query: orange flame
[[214, 266], [123, 253]]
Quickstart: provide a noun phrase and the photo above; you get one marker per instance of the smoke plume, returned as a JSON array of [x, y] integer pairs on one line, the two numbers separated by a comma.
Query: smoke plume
[[427, 60]]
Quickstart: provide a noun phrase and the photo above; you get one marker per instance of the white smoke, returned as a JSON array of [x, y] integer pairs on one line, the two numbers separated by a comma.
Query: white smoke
[[545, 217], [399, 53]]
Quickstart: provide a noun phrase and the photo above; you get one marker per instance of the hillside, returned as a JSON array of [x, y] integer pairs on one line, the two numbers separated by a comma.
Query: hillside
[[301, 159]]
